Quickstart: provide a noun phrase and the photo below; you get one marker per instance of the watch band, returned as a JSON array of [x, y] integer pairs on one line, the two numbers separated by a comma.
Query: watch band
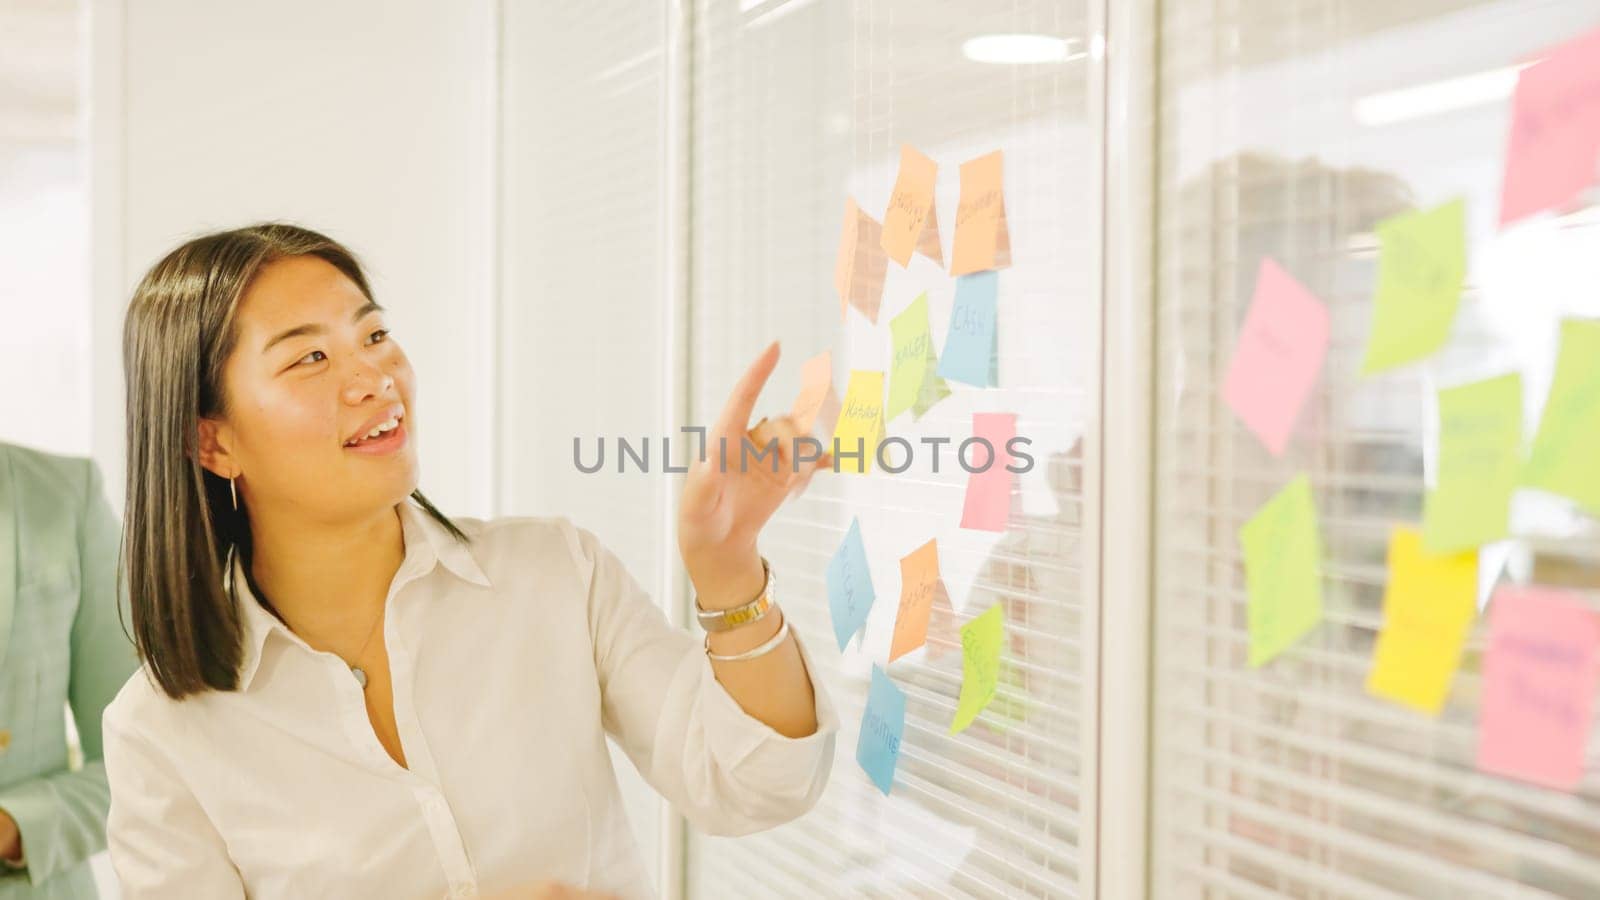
[[725, 619]]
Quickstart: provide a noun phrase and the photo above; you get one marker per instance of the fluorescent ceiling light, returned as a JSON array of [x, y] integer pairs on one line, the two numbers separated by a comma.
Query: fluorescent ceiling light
[[1011, 49], [1437, 97]]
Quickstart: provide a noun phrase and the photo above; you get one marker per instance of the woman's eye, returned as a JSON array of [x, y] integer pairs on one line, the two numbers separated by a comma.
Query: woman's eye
[[308, 357], [378, 335]]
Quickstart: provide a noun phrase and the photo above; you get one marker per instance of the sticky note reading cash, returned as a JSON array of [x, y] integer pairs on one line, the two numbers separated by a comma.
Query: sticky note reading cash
[[914, 381], [860, 428], [1480, 455], [987, 506], [1554, 145], [919, 581], [1566, 449], [981, 640], [850, 592], [971, 347], [1279, 354], [982, 240], [911, 222], [1429, 604], [1421, 269], [861, 266], [1283, 571], [883, 725], [816, 410]]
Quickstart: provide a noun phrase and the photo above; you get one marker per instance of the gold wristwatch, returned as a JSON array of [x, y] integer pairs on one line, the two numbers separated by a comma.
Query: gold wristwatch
[[725, 619]]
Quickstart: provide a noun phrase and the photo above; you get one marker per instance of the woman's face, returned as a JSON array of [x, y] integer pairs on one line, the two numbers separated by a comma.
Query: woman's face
[[312, 374]]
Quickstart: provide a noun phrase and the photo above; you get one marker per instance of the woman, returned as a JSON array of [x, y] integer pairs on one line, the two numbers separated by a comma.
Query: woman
[[61, 644], [346, 694]]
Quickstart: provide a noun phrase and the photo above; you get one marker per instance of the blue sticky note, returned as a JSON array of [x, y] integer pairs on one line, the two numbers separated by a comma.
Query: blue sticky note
[[883, 723], [971, 347], [849, 586]]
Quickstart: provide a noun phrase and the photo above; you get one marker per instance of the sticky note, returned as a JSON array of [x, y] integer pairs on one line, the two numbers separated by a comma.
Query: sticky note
[[1567, 445], [817, 407], [943, 635], [982, 240], [1538, 686], [883, 724], [1283, 571], [980, 665], [1422, 266], [1480, 455], [1554, 146], [861, 266], [860, 428], [1429, 604], [911, 222], [987, 506], [1279, 354], [914, 381], [971, 347], [919, 580], [850, 593]]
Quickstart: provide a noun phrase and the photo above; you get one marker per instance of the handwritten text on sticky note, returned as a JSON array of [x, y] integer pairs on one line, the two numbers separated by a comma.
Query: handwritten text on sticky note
[[883, 726], [860, 428], [1421, 269], [1279, 355], [850, 593], [981, 641], [971, 346], [1283, 571], [914, 383], [1554, 145], [911, 222], [1480, 455], [919, 580], [1429, 604], [983, 240]]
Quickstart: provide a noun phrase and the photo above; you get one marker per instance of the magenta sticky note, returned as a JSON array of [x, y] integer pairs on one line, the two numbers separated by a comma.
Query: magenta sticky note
[[1538, 686], [1553, 151], [1278, 356], [988, 503]]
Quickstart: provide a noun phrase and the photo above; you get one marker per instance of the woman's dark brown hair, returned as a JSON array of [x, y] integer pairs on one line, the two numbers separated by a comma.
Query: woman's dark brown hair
[[180, 521]]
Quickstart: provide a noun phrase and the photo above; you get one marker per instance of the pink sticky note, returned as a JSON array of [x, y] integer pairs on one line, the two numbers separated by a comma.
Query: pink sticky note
[[1279, 353], [1554, 147], [988, 503], [1538, 686]]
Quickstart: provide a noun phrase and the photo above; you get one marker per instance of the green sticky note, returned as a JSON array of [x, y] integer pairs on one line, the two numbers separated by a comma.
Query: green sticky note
[[1283, 571], [1422, 265], [980, 665], [914, 381], [1565, 458], [1480, 448]]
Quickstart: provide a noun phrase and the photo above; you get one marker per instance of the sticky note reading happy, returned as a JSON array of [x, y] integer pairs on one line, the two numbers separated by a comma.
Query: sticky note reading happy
[[910, 222], [971, 347], [1563, 459], [861, 266], [919, 582], [1554, 147], [1421, 269], [914, 381], [982, 239], [1283, 571], [860, 428], [883, 725], [1428, 606], [850, 593], [981, 640], [1279, 354], [1538, 686], [1480, 452]]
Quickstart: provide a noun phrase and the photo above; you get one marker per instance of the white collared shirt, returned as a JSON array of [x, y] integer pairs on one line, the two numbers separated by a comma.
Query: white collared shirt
[[512, 659]]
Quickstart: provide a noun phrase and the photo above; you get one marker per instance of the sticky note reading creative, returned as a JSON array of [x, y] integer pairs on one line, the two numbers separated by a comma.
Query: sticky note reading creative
[[1567, 446], [914, 383], [919, 581], [1480, 455], [971, 347], [1283, 571], [850, 593], [981, 640], [860, 428], [1279, 354], [817, 407], [859, 271], [1428, 606], [1538, 686], [1555, 130], [883, 724], [988, 502], [982, 240], [910, 222], [1421, 269]]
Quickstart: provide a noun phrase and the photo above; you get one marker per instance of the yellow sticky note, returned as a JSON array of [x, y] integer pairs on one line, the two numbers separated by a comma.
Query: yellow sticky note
[[860, 428], [981, 640], [1428, 606], [1283, 571], [1480, 451], [1565, 458], [1422, 265], [914, 381], [910, 223], [982, 240]]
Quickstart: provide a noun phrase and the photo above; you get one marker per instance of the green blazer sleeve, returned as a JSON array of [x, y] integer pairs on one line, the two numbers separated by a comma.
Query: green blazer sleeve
[[62, 814]]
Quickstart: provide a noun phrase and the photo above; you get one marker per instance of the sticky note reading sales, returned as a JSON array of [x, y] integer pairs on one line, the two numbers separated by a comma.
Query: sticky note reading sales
[[982, 240], [910, 222], [850, 593], [981, 640], [914, 381], [988, 502], [1480, 455], [971, 347], [860, 428], [859, 271], [1563, 459], [1538, 686], [883, 724], [1279, 354], [817, 407], [1554, 147], [1422, 267], [919, 581], [1429, 604], [1283, 571]]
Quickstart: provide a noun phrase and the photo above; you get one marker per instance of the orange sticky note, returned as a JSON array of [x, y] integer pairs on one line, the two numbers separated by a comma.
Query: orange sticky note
[[982, 240], [919, 578], [988, 503], [818, 404], [1554, 146], [911, 222], [859, 271]]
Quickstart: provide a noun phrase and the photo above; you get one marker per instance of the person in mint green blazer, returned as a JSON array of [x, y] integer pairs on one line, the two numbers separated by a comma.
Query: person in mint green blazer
[[61, 642]]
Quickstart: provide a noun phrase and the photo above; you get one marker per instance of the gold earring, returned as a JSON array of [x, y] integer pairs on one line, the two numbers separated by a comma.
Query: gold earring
[[234, 494]]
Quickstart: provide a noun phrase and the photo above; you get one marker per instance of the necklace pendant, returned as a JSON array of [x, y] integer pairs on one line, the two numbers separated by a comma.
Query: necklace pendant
[[360, 674]]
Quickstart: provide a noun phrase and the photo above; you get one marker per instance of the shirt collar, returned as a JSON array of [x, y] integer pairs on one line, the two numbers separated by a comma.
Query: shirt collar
[[427, 543]]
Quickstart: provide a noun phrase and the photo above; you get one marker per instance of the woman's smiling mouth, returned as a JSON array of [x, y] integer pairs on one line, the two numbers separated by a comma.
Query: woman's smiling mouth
[[384, 438]]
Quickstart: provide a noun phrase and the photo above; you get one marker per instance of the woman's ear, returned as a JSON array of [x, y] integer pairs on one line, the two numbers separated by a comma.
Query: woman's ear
[[213, 449]]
